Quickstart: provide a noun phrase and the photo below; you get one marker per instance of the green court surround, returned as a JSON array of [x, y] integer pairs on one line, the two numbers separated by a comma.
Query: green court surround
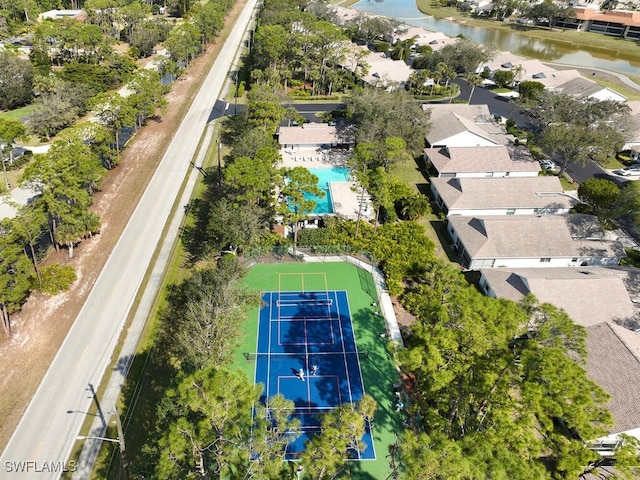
[[378, 370]]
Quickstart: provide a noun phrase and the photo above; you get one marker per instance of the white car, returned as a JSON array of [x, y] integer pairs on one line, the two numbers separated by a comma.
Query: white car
[[548, 165], [627, 172]]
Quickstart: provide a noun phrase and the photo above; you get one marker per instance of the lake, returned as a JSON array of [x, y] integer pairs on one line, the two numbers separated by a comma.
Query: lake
[[407, 12]]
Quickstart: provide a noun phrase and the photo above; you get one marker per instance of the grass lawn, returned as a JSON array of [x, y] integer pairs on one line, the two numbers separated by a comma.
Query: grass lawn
[[409, 171], [13, 177], [612, 163], [17, 114], [566, 183], [378, 370], [622, 89]]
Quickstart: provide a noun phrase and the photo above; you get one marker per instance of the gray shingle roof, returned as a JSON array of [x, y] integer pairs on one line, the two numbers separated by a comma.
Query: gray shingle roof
[[479, 160], [579, 87], [502, 192], [533, 236], [613, 366], [578, 291], [613, 352], [448, 120]]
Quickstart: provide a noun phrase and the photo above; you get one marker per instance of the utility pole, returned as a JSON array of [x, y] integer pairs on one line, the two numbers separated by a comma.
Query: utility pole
[[123, 458], [235, 97], [120, 441], [219, 164], [4, 169]]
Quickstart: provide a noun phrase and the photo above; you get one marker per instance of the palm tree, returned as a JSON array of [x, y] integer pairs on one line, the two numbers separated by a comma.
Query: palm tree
[[414, 207], [473, 80], [402, 49], [448, 73], [518, 71], [437, 78], [418, 80]]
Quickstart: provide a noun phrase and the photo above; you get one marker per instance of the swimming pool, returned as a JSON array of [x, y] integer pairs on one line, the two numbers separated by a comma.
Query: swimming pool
[[326, 175]]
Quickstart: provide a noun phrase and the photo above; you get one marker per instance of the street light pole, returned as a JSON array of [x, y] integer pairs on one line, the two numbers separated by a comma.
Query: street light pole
[[119, 441], [104, 439], [235, 97], [219, 164], [123, 458]]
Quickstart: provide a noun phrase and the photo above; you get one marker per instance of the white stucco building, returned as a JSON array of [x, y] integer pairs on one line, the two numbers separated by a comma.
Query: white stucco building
[[541, 241], [463, 125], [501, 196], [489, 161]]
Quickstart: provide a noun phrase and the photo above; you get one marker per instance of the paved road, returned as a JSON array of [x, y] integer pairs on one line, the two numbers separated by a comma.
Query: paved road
[[497, 105], [312, 112], [42, 442]]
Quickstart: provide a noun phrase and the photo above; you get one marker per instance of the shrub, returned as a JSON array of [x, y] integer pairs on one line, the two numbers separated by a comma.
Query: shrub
[[241, 88], [298, 93], [380, 46], [134, 52], [632, 259], [56, 278], [18, 162]]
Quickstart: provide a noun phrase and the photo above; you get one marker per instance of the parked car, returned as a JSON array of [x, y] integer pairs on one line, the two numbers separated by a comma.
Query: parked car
[[549, 165], [627, 172]]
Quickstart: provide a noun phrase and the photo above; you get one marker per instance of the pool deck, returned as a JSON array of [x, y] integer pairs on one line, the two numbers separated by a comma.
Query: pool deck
[[313, 158], [344, 198]]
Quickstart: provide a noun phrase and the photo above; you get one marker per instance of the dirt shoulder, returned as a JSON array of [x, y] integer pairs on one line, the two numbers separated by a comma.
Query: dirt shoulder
[[43, 323]]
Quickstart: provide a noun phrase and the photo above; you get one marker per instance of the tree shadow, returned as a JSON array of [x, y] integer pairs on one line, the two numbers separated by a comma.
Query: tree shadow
[[374, 363], [440, 227], [148, 379], [194, 235]]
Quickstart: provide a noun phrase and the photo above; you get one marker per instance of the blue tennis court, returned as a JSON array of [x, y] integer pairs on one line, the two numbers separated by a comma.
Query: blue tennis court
[[310, 331]]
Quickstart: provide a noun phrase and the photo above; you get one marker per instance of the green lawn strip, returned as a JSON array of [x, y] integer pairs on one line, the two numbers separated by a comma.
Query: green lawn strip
[[13, 177], [612, 163], [18, 114], [378, 370], [408, 170], [630, 93]]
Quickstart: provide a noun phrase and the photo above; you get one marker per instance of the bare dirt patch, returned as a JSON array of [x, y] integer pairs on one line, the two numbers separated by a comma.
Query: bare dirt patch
[[43, 323], [404, 318]]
